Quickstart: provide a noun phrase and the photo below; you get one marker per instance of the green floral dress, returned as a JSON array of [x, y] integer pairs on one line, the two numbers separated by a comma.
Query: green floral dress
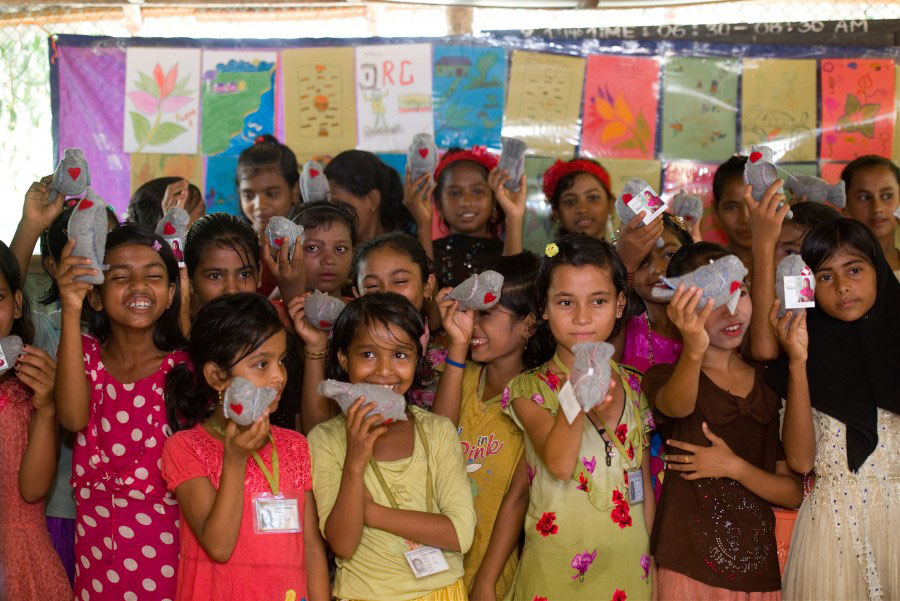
[[583, 540]]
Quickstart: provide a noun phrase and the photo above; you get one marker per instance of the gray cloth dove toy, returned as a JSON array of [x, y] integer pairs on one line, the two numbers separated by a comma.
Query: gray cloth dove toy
[[244, 402], [720, 281], [760, 173], [638, 188], [512, 159], [322, 310], [173, 228], [390, 405], [72, 176], [88, 227], [816, 189], [478, 292], [281, 230], [688, 207], [591, 372], [313, 183], [10, 349], [791, 265], [422, 156]]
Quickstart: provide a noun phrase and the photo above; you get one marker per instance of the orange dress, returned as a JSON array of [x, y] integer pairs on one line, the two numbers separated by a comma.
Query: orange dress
[[29, 567]]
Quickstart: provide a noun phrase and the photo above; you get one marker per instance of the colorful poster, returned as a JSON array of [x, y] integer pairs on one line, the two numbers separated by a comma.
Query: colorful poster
[[469, 88], [238, 99], [621, 95], [393, 95], [858, 108], [700, 108], [544, 101], [831, 172], [897, 112], [319, 100], [162, 91], [696, 179], [146, 167], [778, 107], [221, 192]]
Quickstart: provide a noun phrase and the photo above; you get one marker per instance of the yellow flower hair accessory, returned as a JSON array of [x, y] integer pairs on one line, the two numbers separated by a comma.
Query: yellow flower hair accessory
[[551, 250]]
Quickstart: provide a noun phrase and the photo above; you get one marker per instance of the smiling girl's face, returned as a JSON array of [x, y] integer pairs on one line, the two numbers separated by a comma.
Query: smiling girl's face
[[466, 201], [582, 304], [381, 354], [584, 207], [136, 290], [387, 269]]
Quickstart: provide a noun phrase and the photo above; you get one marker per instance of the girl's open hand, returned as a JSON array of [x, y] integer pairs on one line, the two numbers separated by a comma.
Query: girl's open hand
[[71, 292], [289, 273], [682, 311], [417, 199], [313, 338], [176, 195], [766, 218], [37, 211], [239, 443], [457, 322], [37, 370], [362, 432], [512, 203], [792, 334], [635, 240], [716, 461]]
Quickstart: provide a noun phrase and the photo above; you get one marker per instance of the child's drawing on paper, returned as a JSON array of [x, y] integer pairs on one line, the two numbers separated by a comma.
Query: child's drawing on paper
[[237, 99], [320, 97], [393, 95], [161, 100], [858, 115], [469, 84]]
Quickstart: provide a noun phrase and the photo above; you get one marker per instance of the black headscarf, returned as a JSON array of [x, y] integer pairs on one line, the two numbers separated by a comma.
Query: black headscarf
[[853, 367]]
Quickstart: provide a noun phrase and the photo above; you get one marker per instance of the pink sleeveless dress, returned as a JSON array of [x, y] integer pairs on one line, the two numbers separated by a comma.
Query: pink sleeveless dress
[[126, 532]]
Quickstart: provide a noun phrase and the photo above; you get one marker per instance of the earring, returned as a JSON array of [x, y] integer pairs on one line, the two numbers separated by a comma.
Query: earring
[[221, 397]]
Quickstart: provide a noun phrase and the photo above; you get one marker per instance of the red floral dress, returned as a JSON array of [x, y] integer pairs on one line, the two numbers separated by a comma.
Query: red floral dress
[[583, 539]]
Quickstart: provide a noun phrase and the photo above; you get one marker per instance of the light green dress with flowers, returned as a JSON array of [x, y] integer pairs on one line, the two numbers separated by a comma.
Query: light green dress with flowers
[[583, 540]]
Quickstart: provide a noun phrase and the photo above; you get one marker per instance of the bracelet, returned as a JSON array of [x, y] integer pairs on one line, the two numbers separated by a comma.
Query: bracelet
[[315, 356], [450, 361]]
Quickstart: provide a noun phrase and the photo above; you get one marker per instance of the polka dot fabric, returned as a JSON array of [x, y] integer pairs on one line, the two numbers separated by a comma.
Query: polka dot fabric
[[126, 532]]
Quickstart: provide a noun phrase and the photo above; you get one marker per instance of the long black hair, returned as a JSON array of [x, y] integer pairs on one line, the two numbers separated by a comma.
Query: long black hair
[[222, 230], [359, 172], [730, 169], [167, 335], [268, 152], [319, 213], [693, 256], [145, 206], [226, 330], [824, 240], [9, 270], [378, 308], [519, 297]]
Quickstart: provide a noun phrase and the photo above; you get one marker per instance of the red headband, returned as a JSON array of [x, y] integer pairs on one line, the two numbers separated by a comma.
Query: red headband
[[560, 169], [478, 154]]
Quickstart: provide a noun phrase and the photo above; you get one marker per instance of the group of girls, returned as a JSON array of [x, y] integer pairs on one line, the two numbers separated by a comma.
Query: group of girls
[[665, 489]]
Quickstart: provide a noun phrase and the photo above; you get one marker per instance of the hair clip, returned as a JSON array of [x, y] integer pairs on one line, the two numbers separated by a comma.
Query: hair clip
[[259, 140], [551, 250], [72, 202], [157, 246]]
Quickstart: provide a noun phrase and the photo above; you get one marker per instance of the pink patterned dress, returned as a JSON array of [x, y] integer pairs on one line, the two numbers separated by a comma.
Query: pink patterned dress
[[29, 567], [126, 533]]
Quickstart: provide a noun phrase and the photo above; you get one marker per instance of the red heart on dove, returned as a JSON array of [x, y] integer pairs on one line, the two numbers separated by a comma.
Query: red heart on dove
[[85, 204], [626, 197], [489, 298], [236, 409], [735, 285], [74, 172], [324, 324], [755, 156], [279, 242], [168, 228], [423, 152], [314, 173]]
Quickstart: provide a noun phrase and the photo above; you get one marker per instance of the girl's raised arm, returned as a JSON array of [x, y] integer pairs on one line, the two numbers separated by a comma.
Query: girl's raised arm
[[458, 324], [417, 200], [513, 204], [71, 393], [36, 370], [314, 409], [37, 215]]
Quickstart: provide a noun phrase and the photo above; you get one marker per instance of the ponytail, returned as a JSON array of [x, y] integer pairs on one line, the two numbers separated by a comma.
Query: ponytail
[[189, 399]]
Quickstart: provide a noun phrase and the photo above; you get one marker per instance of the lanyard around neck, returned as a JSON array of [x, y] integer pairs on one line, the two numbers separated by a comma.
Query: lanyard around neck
[[428, 493], [273, 477]]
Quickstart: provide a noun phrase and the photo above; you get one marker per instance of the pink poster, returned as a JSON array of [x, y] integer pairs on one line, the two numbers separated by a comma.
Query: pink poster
[[696, 179], [621, 94], [858, 111], [831, 172]]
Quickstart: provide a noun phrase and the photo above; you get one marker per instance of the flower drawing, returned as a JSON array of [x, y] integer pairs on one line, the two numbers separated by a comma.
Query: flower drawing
[[621, 515], [538, 598], [550, 379], [619, 124], [582, 482], [581, 562], [538, 398], [622, 433], [532, 472], [154, 97], [645, 565], [504, 398], [619, 595], [591, 465], [545, 525], [634, 382]]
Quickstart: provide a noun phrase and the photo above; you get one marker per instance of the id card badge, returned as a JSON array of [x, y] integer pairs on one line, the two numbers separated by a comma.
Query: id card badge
[[426, 561], [635, 486], [276, 514], [177, 245]]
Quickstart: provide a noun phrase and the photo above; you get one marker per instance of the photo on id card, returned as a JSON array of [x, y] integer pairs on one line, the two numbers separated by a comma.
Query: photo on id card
[[799, 292], [649, 202]]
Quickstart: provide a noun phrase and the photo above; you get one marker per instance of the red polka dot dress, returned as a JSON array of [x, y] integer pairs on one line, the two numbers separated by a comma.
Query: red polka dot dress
[[126, 533]]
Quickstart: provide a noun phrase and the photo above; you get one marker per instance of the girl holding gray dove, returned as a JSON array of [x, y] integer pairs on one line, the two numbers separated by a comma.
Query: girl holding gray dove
[[28, 446], [590, 510], [249, 528]]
